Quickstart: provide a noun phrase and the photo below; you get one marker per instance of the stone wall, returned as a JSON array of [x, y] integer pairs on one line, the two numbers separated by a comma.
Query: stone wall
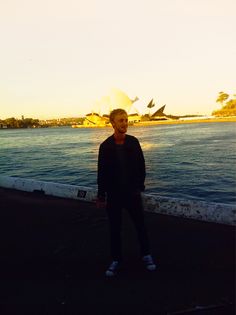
[[192, 209]]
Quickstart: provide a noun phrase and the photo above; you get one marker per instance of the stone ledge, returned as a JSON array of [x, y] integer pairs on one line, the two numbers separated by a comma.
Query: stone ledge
[[192, 209]]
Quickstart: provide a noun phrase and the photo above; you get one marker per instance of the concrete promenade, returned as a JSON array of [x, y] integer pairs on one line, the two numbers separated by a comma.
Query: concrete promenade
[[54, 253]]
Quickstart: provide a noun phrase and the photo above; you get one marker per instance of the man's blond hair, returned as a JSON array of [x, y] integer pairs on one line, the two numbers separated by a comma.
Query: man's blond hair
[[115, 112]]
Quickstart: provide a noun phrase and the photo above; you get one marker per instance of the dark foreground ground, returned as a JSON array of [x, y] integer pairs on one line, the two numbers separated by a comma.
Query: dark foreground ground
[[53, 254]]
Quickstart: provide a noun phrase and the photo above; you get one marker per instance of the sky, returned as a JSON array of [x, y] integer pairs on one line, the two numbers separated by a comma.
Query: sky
[[60, 58]]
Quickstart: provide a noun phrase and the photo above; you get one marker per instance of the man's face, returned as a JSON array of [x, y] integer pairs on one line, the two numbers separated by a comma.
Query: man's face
[[120, 123]]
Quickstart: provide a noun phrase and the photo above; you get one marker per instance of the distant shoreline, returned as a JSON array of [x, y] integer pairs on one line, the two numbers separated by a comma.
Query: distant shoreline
[[146, 123], [187, 121], [168, 122]]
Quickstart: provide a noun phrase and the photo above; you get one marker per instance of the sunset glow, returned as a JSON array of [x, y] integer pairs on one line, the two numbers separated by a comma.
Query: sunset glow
[[68, 58]]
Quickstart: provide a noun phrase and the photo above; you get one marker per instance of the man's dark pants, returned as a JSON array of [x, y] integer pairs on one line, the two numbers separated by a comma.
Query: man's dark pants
[[132, 202]]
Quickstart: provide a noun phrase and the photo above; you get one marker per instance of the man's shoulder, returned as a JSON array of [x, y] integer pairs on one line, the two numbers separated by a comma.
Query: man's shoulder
[[107, 141], [131, 139]]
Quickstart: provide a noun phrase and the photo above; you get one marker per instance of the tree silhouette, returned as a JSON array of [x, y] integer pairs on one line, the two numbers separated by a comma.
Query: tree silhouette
[[229, 108], [222, 97]]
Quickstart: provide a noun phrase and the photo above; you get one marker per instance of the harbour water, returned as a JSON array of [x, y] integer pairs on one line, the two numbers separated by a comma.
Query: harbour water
[[186, 161]]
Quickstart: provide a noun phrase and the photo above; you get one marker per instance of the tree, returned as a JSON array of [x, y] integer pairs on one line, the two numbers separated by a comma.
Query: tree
[[12, 122], [229, 109], [222, 97], [231, 104]]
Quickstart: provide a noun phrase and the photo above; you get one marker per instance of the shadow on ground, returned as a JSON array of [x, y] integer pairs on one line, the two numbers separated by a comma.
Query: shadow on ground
[[54, 253]]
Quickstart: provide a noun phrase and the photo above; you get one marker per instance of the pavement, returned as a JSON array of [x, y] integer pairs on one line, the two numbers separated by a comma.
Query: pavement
[[54, 253]]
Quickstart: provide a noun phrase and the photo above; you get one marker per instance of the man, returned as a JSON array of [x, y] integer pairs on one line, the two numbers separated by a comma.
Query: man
[[121, 175]]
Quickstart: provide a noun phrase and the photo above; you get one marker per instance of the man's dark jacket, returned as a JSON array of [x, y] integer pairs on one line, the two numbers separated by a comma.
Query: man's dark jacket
[[108, 167]]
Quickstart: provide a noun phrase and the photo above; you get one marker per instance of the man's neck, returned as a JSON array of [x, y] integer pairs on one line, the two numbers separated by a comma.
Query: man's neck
[[119, 138]]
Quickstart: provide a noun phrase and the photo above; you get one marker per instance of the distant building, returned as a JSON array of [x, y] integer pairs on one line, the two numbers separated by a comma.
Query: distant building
[[94, 119], [134, 118], [159, 114]]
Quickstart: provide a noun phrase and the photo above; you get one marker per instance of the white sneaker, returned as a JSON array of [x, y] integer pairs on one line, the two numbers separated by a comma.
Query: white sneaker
[[149, 263], [113, 268]]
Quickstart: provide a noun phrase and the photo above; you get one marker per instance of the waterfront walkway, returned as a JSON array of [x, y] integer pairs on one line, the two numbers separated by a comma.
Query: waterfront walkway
[[54, 253]]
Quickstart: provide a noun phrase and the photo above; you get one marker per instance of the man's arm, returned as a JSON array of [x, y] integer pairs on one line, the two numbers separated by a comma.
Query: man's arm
[[142, 167], [101, 195]]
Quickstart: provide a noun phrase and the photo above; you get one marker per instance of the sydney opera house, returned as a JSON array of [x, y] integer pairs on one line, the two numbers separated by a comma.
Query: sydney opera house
[[99, 116]]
